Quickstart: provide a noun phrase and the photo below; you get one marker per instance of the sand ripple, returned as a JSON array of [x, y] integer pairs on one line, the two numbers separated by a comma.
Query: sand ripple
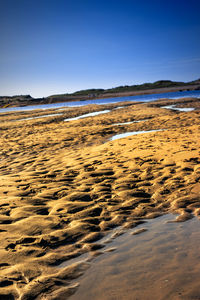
[[63, 187]]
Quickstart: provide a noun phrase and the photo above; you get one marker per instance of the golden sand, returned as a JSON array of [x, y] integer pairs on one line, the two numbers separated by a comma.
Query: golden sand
[[64, 185]]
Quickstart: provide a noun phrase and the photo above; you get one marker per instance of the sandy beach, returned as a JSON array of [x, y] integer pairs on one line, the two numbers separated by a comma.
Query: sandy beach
[[65, 185]]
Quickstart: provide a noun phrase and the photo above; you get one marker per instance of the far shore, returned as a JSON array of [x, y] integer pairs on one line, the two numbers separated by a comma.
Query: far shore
[[16, 101]]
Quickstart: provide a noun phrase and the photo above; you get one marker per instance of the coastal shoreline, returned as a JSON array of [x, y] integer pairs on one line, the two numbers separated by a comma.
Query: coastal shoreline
[[65, 185], [28, 100]]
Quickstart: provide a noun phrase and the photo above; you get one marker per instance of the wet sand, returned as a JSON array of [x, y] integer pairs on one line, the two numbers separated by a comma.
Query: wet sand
[[156, 261], [64, 186]]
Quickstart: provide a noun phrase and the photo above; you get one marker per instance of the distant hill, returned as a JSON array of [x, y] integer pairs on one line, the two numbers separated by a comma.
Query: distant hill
[[130, 88], [160, 86]]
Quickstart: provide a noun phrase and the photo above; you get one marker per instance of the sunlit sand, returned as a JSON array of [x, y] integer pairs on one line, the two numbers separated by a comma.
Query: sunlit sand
[[68, 193]]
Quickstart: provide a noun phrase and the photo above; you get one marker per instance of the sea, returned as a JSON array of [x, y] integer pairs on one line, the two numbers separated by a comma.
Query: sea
[[142, 98]]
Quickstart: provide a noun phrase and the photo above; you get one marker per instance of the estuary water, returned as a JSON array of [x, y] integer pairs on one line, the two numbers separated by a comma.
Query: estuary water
[[142, 98]]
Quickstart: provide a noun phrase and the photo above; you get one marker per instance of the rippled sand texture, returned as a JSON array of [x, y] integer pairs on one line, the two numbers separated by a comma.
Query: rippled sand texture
[[64, 185]]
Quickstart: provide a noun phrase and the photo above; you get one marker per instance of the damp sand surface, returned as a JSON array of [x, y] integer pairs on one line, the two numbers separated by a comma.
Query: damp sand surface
[[38, 117], [161, 262]]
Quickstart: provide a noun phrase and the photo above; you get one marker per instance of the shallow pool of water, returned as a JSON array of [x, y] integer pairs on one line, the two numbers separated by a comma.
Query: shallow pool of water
[[92, 114], [125, 123], [119, 107], [173, 107], [161, 263], [123, 135]]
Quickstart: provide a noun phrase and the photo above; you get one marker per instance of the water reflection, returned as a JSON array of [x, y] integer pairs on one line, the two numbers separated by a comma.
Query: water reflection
[[125, 123], [88, 115], [160, 263], [173, 107], [142, 98], [123, 135]]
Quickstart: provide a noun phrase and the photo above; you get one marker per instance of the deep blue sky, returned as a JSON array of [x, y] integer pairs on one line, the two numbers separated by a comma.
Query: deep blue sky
[[57, 46]]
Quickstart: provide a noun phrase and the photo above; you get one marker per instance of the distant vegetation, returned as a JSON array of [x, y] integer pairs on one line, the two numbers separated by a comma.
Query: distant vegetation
[[90, 91], [23, 100], [129, 88], [145, 86]]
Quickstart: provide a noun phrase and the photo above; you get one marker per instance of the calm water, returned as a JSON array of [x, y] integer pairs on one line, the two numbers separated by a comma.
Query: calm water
[[144, 98], [184, 109], [162, 263], [126, 123], [93, 114], [126, 134]]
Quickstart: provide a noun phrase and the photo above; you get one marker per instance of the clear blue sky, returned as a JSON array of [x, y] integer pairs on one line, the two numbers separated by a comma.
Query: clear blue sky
[[59, 46]]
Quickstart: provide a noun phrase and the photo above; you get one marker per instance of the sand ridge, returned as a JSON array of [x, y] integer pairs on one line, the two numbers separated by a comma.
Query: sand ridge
[[64, 186]]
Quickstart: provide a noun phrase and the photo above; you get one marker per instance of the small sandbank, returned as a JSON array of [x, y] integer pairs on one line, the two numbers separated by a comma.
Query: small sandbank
[[42, 116]]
